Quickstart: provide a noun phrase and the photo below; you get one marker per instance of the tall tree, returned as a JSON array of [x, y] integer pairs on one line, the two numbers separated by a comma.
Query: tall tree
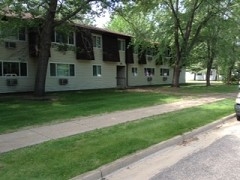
[[217, 40], [175, 24], [228, 56], [209, 42], [50, 14], [189, 18]]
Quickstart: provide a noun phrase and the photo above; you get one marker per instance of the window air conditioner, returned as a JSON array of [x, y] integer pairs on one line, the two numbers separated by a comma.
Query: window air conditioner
[[12, 82], [10, 45], [149, 78], [63, 81], [164, 78]]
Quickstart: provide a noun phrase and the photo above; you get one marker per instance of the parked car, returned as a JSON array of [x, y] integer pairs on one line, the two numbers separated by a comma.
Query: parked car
[[237, 107]]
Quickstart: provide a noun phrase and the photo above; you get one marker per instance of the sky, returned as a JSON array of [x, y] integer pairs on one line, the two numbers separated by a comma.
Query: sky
[[101, 21]]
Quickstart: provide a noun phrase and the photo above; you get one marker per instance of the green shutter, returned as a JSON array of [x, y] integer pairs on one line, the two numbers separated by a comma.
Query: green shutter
[[94, 70], [72, 70], [52, 69], [23, 69]]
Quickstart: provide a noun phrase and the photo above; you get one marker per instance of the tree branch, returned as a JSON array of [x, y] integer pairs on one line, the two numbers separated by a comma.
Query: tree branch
[[188, 28], [74, 13], [175, 14]]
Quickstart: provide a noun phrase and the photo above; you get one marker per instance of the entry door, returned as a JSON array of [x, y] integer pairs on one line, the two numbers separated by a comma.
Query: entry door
[[121, 77]]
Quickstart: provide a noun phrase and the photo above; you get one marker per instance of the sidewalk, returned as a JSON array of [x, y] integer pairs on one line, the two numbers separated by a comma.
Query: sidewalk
[[42, 134]]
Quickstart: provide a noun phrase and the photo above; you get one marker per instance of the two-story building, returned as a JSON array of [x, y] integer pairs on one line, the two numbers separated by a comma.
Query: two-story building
[[86, 58]]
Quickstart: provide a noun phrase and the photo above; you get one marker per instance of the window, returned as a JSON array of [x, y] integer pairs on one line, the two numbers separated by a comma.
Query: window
[[149, 54], [149, 71], [64, 38], [22, 34], [97, 70], [10, 44], [71, 38], [97, 41], [121, 45], [134, 71], [13, 69], [13, 34], [164, 72], [62, 69]]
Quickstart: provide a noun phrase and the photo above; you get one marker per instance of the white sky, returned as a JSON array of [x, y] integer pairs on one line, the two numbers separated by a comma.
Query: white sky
[[102, 21]]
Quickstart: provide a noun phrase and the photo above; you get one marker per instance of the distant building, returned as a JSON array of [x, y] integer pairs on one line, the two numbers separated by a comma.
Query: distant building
[[201, 76]]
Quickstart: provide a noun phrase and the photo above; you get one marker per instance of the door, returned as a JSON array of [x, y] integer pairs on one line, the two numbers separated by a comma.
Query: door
[[121, 77]]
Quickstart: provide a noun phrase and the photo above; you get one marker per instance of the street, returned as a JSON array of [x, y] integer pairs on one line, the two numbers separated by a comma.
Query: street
[[211, 155]]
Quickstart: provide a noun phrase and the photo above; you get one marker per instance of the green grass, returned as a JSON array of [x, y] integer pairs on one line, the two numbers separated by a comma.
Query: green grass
[[69, 157], [201, 88], [19, 111]]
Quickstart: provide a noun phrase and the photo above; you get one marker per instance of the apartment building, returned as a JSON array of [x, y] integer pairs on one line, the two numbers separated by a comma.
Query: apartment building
[[86, 58]]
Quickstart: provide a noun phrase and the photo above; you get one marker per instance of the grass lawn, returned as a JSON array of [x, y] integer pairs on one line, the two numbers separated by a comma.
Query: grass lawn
[[17, 112], [201, 88], [20, 111], [69, 157]]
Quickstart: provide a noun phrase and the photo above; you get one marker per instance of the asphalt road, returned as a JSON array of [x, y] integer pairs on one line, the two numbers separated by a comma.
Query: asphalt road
[[214, 155], [221, 160]]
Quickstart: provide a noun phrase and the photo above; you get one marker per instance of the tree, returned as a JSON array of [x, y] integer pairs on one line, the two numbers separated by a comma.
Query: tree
[[46, 16], [207, 45], [228, 55], [118, 23], [175, 24], [189, 18], [216, 43]]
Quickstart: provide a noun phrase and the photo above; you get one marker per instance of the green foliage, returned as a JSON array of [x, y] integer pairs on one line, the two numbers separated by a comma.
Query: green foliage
[[180, 26], [119, 24], [68, 157]]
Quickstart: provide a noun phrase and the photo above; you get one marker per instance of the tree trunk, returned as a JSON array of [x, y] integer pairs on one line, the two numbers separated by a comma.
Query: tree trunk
[[208, 74], [176, 76], [177, 68], [209, 68], [211, 55], [45, 46], [229, 75]]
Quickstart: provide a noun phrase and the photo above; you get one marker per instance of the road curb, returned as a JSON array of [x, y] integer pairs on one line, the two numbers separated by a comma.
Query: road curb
[[105, 170]]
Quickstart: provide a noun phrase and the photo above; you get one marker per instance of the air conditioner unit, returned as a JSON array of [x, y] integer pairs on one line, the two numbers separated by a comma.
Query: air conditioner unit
[[10, 45], [12, 82], [165, 78], [63, 81], [149, 78]]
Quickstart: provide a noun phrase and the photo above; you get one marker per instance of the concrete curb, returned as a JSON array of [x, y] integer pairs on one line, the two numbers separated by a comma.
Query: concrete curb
[[101, 172]]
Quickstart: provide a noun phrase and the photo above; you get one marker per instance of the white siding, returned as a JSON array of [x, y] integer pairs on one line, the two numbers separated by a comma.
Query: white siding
[[52, 83], [183, 75], [18, 54], [83, 78]]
